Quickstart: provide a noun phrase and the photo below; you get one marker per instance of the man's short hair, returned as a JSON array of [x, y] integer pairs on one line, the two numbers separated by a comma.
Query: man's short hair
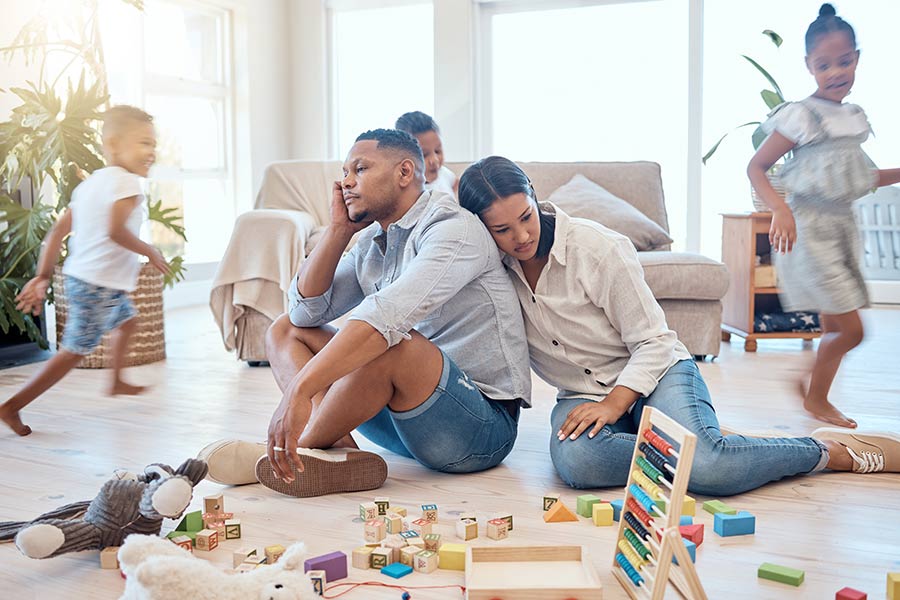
[[119, 118], [397, 141], [417, 122]]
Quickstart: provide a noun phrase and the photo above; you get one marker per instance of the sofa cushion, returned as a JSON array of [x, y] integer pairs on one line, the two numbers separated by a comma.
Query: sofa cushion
[[581, 197], [684, 276]]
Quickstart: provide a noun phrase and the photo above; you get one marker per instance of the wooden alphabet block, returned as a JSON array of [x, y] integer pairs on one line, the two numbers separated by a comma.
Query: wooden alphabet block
[[432, 541], [466, 529], [407, 555], [468, 516], [398, 510], [214, 504], [395, 543], [549, 500], [497, 529], [506, 517], [584, 504], [368, 511], [452, 557], [425, 561], [256, 559], [559, 513], [430, 512], [109, 558], [241, 555], [245, 567], [383, 503], [602, 514], [232, 529], [207, 540], [417, 541], [273, 553], [318, 579], [374, 531], [409, 535], [362, 558], [421, 526], [381, 557], [184, 541], [393, 523]]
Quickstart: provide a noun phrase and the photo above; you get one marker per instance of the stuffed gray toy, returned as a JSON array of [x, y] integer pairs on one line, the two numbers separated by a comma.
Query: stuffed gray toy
[[123, 506]]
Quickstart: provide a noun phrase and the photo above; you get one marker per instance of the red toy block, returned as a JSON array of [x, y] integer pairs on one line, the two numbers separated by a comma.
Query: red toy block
[[850, 594], [693, 533]]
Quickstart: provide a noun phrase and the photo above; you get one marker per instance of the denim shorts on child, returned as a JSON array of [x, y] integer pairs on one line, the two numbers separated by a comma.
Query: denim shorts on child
[[456, 430], [93, 310]]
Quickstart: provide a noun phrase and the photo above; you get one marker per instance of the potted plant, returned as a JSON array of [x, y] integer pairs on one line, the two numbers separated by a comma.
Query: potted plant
[[772, 98], [50, 143]]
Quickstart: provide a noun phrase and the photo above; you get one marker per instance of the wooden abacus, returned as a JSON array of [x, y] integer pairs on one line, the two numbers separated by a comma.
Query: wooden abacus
[[648, 528]]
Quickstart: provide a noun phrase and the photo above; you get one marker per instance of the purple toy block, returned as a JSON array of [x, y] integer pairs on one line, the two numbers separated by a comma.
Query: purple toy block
[[334, 565]]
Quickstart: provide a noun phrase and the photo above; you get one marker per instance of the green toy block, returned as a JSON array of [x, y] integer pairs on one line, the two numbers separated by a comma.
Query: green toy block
[[780, 574], [190, 534], [192, 521], [717, 506], [585, 505]]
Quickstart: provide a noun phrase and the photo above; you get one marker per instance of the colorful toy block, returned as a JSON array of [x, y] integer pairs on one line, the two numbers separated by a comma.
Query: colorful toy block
[[742, 523], [559, 513], [192, 522], [689, 507], [207, 540], [717, 506], [109, 557], [549, 500], [233, 529], [617, 509], [396, 570], [417, 542], [452, 557], [497, 529], [397, 509], [691, 547], [848, 593], [506, 517], [430, 512], [432, 541], [409, 535], [685, 520], [466, 529], [273, 553], [318, 579], [602, 514], [780, 574], [426, 561], [893, 586], [393, 523], [692, 532], [584, 504], [334, 564], [383, 505], [214, 504], [241, 555], [362, 558], [374, 531], [368, 511], [381, 557], [421, 526], [183, 541], [408, 554]]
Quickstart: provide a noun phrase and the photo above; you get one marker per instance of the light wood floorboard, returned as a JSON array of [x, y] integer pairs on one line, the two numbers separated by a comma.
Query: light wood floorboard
[[842, 529]]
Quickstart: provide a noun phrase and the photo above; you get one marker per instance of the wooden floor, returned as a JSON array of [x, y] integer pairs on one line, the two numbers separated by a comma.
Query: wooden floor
[[843, 530]]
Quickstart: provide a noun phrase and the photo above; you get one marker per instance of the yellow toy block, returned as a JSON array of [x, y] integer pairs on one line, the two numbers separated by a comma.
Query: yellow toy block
[[602, 514], [893, 586], [273, 553], [452, 557], [689, 507], [109, 557], [559, 513]]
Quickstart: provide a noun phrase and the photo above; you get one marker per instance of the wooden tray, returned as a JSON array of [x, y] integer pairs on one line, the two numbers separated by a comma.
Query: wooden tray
[[531, 573]]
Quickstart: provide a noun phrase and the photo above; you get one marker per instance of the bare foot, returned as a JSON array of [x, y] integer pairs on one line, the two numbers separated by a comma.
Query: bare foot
[[120, 388], [11, 418], [824, 410]]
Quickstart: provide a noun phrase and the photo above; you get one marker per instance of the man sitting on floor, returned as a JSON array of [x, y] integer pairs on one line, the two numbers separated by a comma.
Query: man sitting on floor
[[432, 363]]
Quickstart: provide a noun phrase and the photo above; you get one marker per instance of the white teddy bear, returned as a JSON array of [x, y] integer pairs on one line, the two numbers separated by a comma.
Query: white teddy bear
[[157, 569]]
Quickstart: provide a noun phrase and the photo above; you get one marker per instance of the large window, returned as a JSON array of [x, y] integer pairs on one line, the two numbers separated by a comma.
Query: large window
[[171, 59], [591, 83], [382, 66]]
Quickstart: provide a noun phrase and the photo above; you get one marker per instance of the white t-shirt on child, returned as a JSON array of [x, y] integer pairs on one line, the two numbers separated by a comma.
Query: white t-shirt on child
[[93, 256], [443, 182]]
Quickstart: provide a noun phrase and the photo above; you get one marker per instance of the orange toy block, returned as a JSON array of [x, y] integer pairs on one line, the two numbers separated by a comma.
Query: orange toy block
[[559, 513]]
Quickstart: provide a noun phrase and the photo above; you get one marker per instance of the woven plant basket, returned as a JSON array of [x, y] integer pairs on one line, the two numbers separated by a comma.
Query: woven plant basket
[[775, 180], [147, 344]]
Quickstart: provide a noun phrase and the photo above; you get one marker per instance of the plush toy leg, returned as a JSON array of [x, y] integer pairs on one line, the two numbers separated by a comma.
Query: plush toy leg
[[166, 498], [193, 469], [55, 537]]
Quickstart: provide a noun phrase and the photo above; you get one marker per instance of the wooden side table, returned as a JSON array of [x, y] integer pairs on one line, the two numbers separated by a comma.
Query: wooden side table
[[744, 237]]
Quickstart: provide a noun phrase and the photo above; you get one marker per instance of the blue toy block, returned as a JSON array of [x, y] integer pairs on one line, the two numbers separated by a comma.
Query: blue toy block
[[691, 548], [617, 508], [686, 520], [742, 523], [396, 570]]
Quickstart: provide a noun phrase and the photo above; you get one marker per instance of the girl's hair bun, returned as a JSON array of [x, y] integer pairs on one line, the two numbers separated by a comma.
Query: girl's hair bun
[[827, 10]]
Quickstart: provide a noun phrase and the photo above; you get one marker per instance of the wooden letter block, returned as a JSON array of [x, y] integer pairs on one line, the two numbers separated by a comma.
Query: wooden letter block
[[397, 510], [409, 535], [550, 500], [689, 507], [848, 593], [318, 579], [602, 514], [255, 559], [109, 558], [368, 511], [233, 529], [466, 529], [692, 532], [417, 541], [381, 557], [432, 541], [497, 529], [395, 543], [241, 555], [468, 516], [430, 512], [559, 513], [452, 557], [407, 555], [214, 504], [374, 531], [425, 561], [183, 541], [207, 540], [393, 523], [383, 505], [742, 523], [273, 553], [421, 526], [893, 586], [506, 517], [362, 558], [584, 504], [781, 574]]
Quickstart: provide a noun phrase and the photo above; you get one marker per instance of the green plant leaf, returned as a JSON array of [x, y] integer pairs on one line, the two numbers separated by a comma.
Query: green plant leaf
[[176, 272], [766, 75], [758, 137], [771, 98], [715, 146], [167, 217], [776, 39]]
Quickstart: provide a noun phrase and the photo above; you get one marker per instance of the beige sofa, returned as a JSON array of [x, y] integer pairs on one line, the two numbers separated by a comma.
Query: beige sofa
[[291, 209]]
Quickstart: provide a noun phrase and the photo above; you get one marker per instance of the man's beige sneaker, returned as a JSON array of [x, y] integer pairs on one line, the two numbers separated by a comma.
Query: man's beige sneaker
[[872, 452], [232, 462], [332, 471]]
